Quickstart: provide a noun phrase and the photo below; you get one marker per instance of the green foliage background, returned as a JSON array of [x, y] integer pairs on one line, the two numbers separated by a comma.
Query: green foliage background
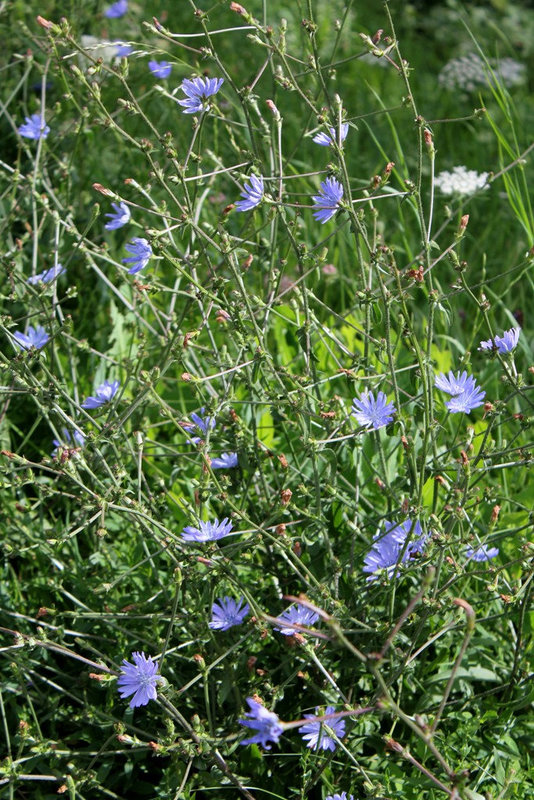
[[272, 324]]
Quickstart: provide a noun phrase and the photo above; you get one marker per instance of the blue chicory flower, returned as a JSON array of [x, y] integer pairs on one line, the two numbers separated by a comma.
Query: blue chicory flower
[[36, 337], [316, 734], [481, 553], [48, 275], [342, 796], [327, 202], [224, 461], [116, 10], [160, 69], [202, 425], [141, 254], [505, 343], [77, 438], [197, 91], [325, 140], [466, 395], [253, 194], [123, 50], [139, 679], [104, 393], [296, 615], [387, 549], [226, 612], [34, 127], [266, 724], [120, 216], [373, 413], [207, 531]]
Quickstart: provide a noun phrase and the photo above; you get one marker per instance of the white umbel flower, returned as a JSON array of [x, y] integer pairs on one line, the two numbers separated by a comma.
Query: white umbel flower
[[461, 181], [470, 72]]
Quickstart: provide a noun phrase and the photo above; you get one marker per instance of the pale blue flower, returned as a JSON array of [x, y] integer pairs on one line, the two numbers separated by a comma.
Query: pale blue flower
[[505, 343], [342, 796], [373, 413], [203, 425], [385, 553], [116, 10], [327, 202], [139, 679], [36, 337], [48, 275], [296, 615], [481, 553], [224, 461], [76, 439], [325, 140], [34, 128], [120, 216], [316, 734], [197, 91], [160, 69], [253, 194], [466, 401], [266, 724], [104, 393], [123, 50], [141, 254], [454, 384], [226, 612], [207, 531]]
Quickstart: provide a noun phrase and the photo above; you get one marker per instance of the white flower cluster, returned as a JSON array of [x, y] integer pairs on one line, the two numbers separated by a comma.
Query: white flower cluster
[[461, 181], [470, 72]]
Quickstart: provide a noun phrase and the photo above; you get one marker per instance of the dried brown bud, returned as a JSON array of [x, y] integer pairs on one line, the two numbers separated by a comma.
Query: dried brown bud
[[280, 530], [285, 496], [283, 461], [464, 222], [495, 514], [251, 662], [102, 189], [248, 261], [297, 549], [237, 8], [44, 23], [389, 168], [185, 376], [96, 676]]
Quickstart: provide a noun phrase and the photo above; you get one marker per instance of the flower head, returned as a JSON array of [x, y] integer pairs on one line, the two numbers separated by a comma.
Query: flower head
[[466, 401], [202, 425], [76, 439], [197, 91], [505, 343], [48, 275], [118, 217], [36, 337], [373, 413], [470, 72], [296, 615], [335, 138], [316, 734], [160, 69], [454, 384], [34, 127], [104, 393], [481, 553], [141, 254], [207, 531], [224, 461], [461, 181], [266, 723], [253, 194], [226, 612], [327, 202], [342, 796], [139, 679], [387, 550], [123, 50], [116, 10]]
